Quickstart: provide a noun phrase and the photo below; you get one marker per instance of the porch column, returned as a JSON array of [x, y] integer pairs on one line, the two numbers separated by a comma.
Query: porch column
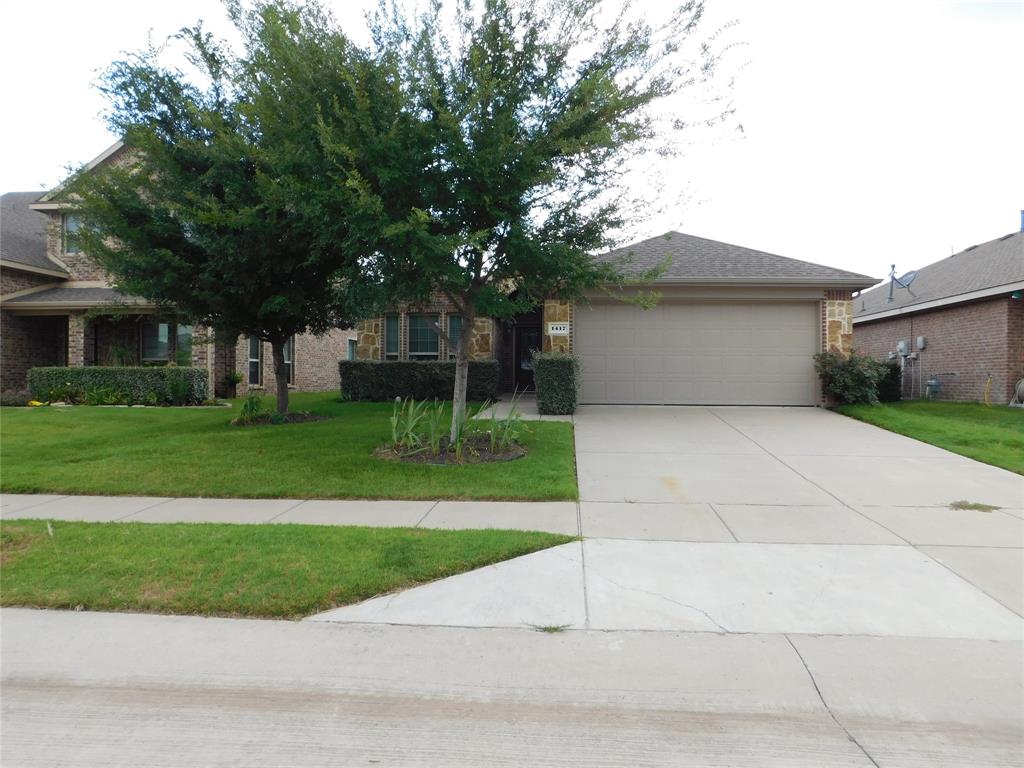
[[557, 311], [81, 340]]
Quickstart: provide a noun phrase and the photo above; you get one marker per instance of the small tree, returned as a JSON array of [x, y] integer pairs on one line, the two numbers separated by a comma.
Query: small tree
[[224, 205], [503, 171]]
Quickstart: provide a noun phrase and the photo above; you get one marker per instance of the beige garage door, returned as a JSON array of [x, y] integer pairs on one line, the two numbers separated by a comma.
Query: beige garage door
[[700, 353]]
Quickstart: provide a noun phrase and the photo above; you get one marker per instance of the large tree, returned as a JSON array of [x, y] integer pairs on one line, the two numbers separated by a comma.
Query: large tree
[[226, 206], [520, 122]]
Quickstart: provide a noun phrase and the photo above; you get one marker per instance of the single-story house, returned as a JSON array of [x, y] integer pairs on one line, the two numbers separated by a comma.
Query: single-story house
[[57, 307], [733, 326], [959, 323]]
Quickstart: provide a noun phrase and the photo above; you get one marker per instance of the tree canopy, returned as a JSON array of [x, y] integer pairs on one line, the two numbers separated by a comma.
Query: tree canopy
[[224, 204], [519, 121]]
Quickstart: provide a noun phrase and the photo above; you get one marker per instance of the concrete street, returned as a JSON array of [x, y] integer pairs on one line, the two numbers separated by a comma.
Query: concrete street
[[756, 586], [93, 689]]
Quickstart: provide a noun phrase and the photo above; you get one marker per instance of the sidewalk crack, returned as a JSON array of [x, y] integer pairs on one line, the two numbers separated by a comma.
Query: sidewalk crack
[[824, 703], [667, 599]]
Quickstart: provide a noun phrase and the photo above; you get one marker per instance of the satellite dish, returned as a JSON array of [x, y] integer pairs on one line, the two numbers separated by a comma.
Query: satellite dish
[[907, 279], [902, 282]]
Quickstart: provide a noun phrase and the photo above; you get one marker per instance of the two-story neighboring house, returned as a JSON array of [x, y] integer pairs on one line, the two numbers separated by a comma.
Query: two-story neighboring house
[[57, 307]]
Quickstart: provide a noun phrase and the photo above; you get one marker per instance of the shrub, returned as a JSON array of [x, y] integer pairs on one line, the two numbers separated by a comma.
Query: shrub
[[166, 385], [557, 377], [851, 378], [252, 409], [890, 388], [380, 381]]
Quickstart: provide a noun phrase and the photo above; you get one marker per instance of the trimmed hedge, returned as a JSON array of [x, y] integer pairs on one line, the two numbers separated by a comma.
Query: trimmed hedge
[[381, 380], [852, 379], [96, 385], [557, 377]]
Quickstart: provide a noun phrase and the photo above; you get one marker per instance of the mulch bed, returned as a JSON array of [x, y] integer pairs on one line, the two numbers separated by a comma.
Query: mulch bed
[[296, 417], [477, 450]]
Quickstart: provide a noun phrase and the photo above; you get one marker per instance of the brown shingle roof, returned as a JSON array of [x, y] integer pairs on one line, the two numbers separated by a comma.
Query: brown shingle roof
[[986, 266], [698, 259], [23, 232]]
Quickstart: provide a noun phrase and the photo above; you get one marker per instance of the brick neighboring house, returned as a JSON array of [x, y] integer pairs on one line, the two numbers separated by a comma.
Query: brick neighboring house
[[969, 311], [734, 326], [57, 308]]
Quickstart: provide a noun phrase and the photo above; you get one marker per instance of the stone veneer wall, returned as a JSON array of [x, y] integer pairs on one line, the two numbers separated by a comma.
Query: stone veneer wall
[[837, 322], [557, 311], [369, 333]]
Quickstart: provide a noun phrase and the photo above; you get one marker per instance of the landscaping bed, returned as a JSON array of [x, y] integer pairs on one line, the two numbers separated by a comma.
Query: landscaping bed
[[196, 452], [990, 434], [267, 571], [477, 451]]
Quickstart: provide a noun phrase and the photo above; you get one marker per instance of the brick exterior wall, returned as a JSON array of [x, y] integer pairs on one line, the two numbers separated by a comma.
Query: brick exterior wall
[[316, 362], [965, 344], [12, 280], [29, 341], [79, 265]]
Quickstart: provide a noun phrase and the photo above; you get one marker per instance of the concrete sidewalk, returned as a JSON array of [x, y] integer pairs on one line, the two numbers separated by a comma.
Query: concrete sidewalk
[[555, 517]]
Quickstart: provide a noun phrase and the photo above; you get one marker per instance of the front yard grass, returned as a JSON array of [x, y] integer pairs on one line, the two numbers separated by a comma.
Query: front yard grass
[[993, 435], [269, 571], [196, 452]]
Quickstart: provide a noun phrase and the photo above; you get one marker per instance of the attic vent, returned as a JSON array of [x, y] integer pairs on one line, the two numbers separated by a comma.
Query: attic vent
[[1007, 237], [969, 249]]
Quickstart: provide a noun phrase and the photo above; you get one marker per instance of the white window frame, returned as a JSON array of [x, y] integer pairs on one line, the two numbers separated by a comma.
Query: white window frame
[[250, 360], [436, 354]]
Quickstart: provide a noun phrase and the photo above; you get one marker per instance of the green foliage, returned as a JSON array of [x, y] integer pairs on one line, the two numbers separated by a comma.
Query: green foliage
[[850, 379], [107, 396], [890, 388], [224, 204], [252, 409], [121, 386], [557, 377], [434, 421], [406, 416], [506, 432], [512, 134], [380, 380]]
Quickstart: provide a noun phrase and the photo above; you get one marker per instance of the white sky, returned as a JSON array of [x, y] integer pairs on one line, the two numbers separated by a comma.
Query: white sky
[[874, 132]]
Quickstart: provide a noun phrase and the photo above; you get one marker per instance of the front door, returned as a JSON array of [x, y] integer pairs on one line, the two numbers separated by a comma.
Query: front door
[[528, 339]]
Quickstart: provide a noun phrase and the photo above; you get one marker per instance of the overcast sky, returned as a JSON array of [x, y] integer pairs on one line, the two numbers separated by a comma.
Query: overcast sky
[[873, 132]]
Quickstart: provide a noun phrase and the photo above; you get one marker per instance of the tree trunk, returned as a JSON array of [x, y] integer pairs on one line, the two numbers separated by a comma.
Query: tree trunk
[[461, 374], [280, 375]]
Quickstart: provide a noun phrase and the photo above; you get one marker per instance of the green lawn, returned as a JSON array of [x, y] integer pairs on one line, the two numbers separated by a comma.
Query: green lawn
[[994, 435], [273, 571], [196, 452]]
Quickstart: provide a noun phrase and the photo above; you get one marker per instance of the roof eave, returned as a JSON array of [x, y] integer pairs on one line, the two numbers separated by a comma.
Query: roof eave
[[45, 203], [853, 283], [55, 272], [946, 301], [62, 305]]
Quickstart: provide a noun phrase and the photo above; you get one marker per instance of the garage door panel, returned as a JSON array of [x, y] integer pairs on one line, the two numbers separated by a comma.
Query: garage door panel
[[698, 353]]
